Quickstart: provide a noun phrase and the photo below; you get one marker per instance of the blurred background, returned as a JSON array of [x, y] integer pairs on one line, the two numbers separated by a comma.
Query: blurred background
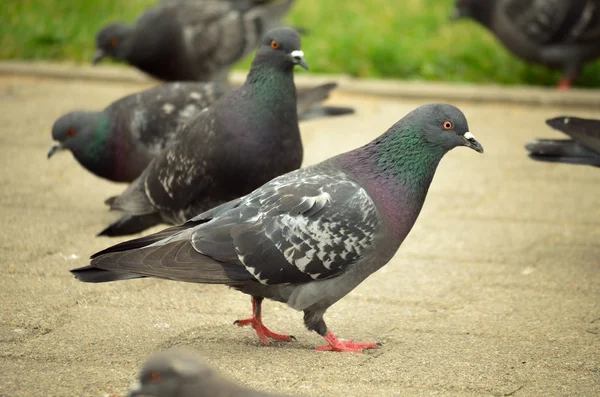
[[408, 39]]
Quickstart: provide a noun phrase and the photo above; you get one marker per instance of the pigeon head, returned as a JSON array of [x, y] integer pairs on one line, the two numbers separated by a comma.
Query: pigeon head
[[413, 147], [480, 10], [167, 373], [440, 126], [280, 48], [111, 41], [445, 126], [73, 131]]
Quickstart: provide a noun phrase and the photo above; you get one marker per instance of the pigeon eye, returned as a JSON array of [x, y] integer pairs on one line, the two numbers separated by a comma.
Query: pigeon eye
[[447, 125], [70, 132], [114, 42], [154, 376], [274, 44]]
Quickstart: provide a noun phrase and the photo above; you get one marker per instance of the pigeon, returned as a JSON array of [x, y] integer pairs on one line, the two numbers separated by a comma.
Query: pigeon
[[306, 238], [119, 142], [582, 148], [560, 34], [191, 40], [178, 372], [246, 138]]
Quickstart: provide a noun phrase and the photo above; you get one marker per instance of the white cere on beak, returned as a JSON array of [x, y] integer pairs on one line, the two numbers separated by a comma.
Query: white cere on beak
[[297, 54], [468, 135], [566, 120]]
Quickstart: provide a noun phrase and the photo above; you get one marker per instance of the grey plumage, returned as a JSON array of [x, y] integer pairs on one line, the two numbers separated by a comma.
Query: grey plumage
[[308, 237], [119, 142], [582, 148], [560, 34], [246, 138], [178, 372], [191, 40]]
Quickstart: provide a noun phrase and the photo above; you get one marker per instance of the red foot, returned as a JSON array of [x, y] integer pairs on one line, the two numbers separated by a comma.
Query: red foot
[[263, 332], [564, 85], [350, 346]]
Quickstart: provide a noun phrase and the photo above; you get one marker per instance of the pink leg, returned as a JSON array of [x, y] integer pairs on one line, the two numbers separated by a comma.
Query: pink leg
[[337, 345], [564, 84], [256, 322]]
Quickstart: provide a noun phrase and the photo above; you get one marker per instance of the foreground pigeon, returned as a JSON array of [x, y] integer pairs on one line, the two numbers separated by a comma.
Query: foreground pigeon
[[308, 237], [178, 372], [561, 34], [119, 142], [191, 40], [583, 148], [246, 138]]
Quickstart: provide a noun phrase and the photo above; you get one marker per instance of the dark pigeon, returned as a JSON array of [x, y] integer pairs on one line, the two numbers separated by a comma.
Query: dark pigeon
[[560, 34], [191, 40], [178, 372], [306, 238], [246, 138], [582, 148], [119, 142]]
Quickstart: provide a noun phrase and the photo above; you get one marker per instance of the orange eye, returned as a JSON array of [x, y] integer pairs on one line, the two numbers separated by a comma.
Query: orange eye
[[274, 44], [114, 42], [154, 376], [447, 125], [71, 132]]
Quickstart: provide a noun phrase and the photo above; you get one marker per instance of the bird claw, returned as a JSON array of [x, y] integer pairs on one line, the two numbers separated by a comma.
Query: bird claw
[[336, 345], [348, 346], [263, 332]]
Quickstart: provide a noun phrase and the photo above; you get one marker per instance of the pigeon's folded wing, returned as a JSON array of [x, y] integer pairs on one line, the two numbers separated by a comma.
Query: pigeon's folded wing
[[551, 21], [297, 228]]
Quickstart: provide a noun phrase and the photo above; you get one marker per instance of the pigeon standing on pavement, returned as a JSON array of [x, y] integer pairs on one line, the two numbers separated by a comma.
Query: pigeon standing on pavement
[[191, 40], [246, 138], [306, 238], [582, 148], [560, 34], [119, 142], [178, 372]]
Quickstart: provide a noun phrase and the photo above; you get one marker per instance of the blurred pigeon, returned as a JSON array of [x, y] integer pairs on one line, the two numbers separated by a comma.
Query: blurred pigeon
[[308, 237], [246, 138], [119, 142], [583, 148], [178, 372], [191, 40], [560, 34]]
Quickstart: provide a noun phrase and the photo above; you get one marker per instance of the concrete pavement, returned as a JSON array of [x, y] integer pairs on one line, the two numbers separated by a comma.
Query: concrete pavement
[[495, 292]]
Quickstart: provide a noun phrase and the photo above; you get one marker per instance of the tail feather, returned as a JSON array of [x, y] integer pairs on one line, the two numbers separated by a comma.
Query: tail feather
[[310, 103], [131, 224], [90, 274], [562, 151]]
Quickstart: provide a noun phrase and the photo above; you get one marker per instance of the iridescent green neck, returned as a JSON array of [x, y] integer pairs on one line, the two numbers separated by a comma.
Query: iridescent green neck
[[97, 145], [272, 86], [405, 153]]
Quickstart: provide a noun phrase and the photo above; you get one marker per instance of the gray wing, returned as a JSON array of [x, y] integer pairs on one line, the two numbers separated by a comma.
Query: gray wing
[[152, 117], [554, 21], [310, 224], [584, 131], [176, 176], [221, 33]]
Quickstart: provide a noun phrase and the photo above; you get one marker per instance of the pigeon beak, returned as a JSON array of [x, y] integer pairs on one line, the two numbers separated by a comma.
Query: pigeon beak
[[471, 142], [135, 389], [298, 58], [99, 54], [54, 148]]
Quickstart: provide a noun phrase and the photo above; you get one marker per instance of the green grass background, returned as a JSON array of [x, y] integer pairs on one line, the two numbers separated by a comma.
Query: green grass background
[[405, 39]]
